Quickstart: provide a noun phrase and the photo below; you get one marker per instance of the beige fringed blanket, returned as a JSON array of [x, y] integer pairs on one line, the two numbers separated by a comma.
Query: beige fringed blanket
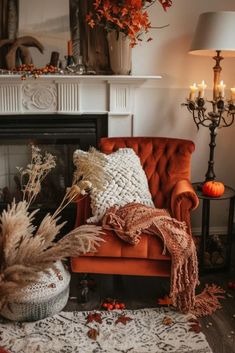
[[131, 220]]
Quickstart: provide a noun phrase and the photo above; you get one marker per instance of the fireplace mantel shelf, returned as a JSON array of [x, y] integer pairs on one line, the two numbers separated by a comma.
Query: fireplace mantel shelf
[[108, 78], [73, 94]]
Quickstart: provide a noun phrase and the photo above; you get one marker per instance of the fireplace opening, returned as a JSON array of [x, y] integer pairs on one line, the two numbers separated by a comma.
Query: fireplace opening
[[59, 135]]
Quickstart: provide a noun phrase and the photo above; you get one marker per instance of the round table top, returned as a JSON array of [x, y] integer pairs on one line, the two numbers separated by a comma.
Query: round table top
[[228, 192]]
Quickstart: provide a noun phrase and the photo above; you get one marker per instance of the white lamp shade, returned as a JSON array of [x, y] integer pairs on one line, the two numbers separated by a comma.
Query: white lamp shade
[[215, 31]]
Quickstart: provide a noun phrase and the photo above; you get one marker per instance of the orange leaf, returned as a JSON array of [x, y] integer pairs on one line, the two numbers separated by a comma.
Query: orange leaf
[[123, 319], [92, 334], [167, 320]]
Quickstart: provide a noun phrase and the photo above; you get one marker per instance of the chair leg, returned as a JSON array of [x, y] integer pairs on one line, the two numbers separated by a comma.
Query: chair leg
[[84, 291], [84, 295], [118, 282], [86, 284]]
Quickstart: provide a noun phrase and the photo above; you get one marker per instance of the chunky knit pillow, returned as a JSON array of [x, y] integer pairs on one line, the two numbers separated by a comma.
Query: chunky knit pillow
[[122, 177]]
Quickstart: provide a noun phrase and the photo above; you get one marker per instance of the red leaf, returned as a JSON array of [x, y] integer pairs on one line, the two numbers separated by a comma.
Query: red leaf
[[123, 319], [94, 317], [195, 328]]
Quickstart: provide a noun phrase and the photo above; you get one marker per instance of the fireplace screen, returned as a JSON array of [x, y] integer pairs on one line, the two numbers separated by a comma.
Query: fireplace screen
[[19, 155], [56, 134]]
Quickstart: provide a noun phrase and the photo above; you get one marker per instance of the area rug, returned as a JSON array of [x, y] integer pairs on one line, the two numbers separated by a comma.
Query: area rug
[[159, 330]]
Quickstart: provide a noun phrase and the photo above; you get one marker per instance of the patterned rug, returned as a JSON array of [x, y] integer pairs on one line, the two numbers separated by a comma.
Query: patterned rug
[[157, 330]]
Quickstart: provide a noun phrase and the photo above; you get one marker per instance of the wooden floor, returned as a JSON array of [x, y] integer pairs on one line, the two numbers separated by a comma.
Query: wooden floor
[[142, 292]]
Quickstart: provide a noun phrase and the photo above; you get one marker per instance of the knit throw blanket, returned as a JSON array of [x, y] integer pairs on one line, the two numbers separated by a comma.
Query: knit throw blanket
[[131, 220]]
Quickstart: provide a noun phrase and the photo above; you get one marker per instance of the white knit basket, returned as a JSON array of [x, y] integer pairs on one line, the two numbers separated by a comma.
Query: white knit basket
[[45, 298]]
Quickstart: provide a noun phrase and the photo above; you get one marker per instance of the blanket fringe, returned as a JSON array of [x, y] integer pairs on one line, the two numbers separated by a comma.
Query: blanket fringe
[[207, 302]]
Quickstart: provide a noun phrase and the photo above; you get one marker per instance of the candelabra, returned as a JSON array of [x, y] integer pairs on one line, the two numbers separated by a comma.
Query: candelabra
[[214, 30], [222, 115]]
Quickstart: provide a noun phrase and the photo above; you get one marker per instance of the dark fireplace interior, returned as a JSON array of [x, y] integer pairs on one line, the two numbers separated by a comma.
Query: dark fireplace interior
[[58, 134]]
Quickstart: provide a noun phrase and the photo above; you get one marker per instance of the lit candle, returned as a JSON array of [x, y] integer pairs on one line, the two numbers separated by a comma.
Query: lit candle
[[201, 89], [193, 90], [233, 94], [221, 88], [70, 48]]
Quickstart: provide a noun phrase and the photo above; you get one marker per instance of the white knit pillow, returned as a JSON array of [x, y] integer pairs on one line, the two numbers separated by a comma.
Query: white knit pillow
[[123, 179]]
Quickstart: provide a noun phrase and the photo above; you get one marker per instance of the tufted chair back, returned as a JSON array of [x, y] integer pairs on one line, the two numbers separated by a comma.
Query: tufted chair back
[[164, 160]]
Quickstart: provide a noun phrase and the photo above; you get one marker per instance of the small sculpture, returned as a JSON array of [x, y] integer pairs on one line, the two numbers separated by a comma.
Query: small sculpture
[[18, 49]]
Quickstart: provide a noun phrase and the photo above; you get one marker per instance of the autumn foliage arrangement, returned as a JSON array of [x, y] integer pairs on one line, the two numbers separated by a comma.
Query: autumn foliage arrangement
[[127, 16]]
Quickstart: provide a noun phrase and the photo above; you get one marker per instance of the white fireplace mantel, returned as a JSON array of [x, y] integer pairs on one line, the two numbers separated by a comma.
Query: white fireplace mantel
[[68, 94]]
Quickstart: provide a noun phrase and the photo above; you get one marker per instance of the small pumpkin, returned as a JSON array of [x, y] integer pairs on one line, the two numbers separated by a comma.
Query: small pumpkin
[[213, 188]]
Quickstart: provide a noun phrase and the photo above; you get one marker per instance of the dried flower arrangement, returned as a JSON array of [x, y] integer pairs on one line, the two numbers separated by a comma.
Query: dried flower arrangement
[[26, 250], [127, 16]]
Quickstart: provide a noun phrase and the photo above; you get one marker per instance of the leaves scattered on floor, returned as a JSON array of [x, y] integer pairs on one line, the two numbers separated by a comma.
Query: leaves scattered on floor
[[195, 325], [94, 317], [167, 320], [97, 318], [93, 333], [123, 319]]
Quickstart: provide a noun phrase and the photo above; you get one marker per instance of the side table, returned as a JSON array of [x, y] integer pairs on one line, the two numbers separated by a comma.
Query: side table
[[229, 195]]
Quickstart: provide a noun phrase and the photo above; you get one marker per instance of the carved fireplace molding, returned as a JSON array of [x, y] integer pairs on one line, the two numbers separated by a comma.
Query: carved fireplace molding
[[57, 94]]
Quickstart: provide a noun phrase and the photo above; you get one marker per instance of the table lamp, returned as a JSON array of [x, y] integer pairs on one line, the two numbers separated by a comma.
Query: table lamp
[[215, 37]]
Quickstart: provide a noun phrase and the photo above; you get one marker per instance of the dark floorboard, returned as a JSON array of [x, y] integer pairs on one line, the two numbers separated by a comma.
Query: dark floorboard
[[142, 292]]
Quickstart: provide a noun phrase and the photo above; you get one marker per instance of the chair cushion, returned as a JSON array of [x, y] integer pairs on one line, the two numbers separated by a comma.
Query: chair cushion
[[121, 266], [123, 179], [150, 247]]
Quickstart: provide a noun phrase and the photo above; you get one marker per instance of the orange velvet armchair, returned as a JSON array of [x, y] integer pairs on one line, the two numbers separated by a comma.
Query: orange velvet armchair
[[166, 162]]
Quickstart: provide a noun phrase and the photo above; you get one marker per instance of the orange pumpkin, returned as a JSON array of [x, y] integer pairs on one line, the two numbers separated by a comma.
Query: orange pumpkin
[[213, 188]]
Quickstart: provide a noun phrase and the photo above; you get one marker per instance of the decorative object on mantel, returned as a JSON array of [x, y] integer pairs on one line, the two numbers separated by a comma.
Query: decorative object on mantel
[[27, 69], [26, 252], [74, 66], [124, 22], [31, 71], [214, 33], [54, 61], [19, 46], [119, 53]]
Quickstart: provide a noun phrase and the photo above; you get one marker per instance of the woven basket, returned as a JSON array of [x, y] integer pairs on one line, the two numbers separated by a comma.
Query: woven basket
[[45, 298]]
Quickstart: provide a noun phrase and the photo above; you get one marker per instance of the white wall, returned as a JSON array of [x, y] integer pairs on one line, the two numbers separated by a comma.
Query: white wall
[[158, 106]]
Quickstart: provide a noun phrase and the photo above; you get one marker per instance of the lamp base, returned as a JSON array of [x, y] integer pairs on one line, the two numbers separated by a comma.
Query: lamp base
[[210, 174]]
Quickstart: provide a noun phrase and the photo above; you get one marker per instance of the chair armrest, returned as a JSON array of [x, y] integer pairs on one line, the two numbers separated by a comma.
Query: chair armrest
[[183, 200]]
